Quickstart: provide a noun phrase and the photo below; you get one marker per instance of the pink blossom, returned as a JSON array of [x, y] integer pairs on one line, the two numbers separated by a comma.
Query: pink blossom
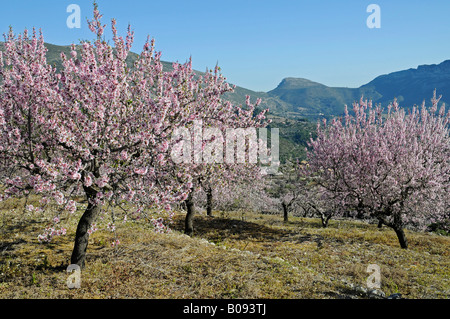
[[88, 181], [102, 181], [111, 227], [115, 242], [71, 206], [141, 170], [123, 155], [75, 176]]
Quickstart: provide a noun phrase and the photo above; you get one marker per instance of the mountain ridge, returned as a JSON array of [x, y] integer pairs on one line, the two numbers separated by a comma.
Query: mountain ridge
[[410, 87], [414, 85]]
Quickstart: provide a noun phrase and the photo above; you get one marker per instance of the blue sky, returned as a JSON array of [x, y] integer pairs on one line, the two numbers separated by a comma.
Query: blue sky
[[258, 43]]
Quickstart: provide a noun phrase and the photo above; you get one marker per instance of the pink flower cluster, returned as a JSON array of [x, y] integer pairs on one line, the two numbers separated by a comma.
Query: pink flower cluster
[[92, 229], [51, 232], [159, 225]]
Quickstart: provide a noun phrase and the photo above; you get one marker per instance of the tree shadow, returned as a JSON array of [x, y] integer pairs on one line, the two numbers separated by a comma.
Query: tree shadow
[[218, 228], [207, 227], [9, 246], [316, 223]]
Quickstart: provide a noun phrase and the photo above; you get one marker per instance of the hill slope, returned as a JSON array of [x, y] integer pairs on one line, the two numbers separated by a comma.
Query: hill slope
[[313, 100]]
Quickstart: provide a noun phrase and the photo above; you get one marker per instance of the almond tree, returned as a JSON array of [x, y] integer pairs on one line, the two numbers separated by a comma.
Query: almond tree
[[394, 167], [98, 127], [246, 191], [205, 161], [288, 188]]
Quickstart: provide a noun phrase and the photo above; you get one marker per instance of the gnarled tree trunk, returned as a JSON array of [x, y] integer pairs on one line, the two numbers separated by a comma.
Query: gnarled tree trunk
[[325, 218], [82, 236], [397, 226]]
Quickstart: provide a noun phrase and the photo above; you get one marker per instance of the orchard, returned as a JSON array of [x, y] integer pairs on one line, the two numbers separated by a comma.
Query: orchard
[[107, 131]]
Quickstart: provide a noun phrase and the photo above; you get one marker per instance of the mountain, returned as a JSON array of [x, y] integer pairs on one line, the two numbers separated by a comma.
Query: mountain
[[410, 87], [311, 99], [413, 86]]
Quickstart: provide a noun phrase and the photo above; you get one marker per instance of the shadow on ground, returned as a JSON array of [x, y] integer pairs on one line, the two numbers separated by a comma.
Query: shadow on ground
[[218, 228], [239, 229]]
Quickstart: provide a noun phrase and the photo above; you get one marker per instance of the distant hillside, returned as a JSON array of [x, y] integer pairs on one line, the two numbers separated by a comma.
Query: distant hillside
[[413, 86], [313, 100], [410, 87], [294, 137]]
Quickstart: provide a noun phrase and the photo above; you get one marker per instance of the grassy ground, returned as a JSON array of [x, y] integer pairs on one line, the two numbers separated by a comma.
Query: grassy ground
[[232, 255]]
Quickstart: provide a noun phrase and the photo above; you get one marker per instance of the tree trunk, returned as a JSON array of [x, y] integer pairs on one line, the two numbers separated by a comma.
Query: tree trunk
[[397, 226], [82, 235], [401, 237], [380, 223], [209, 204], [190, 212], [325, 219], [285, 212]]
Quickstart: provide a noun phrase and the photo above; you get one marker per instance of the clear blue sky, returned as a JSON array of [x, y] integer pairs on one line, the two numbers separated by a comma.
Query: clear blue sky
[[257, 43]]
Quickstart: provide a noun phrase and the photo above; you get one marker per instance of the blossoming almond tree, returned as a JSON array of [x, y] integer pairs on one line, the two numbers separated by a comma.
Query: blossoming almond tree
[[394, 167], [287, 188], [240, 186], [98, 127], [206, 165]]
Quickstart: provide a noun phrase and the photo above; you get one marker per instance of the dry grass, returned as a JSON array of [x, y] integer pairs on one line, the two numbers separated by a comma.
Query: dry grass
[[233, 255]]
